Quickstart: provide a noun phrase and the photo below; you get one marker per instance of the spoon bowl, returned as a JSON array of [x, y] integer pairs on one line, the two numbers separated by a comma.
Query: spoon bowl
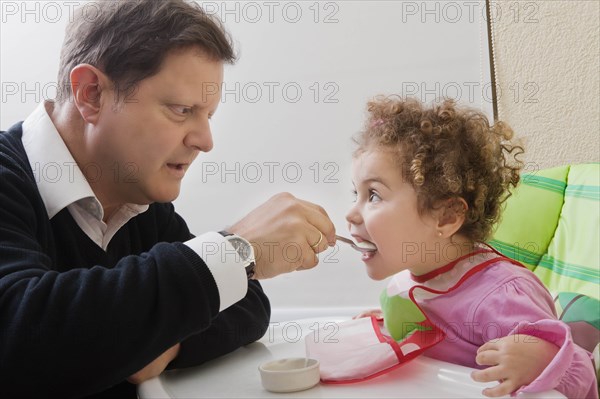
[[356, 246]]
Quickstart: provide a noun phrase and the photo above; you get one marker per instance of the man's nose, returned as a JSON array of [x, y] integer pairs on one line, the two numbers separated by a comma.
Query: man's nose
[[200, 137]]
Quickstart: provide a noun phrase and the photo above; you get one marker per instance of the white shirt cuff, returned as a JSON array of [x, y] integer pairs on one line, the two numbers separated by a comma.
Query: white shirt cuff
[[225, 265]]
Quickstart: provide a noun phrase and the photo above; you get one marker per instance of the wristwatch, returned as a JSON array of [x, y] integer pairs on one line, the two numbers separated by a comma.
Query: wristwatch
[[244, 250]]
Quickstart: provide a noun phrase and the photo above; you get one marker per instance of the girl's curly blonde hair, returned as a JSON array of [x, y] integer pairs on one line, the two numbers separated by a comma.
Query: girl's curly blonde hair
[[447, 152]]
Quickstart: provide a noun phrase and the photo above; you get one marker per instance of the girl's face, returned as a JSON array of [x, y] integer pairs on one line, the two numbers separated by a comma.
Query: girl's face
[[385, 213]]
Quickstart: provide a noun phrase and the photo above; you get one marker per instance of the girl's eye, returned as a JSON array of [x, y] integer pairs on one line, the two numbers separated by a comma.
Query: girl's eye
[[373, 196], [181, 110], [354, 195]]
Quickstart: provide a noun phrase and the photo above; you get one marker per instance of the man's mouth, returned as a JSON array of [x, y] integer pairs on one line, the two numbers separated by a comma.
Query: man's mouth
[[178, 166], [178, 169]]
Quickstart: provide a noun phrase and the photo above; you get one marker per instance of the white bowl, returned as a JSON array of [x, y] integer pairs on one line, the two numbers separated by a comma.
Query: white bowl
[[289, 375]]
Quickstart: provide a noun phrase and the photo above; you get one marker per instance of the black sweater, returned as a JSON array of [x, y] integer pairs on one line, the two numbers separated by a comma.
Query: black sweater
[[76, 320]]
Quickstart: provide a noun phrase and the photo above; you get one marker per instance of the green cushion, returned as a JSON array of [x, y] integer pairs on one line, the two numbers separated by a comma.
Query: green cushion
[[582, 314], [573, 307], [572, 261], [531, 215], [552, 225]]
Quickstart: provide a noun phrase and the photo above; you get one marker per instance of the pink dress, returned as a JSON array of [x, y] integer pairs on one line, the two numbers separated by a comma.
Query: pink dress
[[501, 300]]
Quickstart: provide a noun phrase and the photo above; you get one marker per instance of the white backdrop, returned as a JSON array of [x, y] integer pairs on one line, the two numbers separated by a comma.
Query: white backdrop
[[290, 107]]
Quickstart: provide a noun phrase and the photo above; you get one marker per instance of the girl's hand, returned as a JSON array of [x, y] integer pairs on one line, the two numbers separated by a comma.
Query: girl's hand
[[515, 360], [368, 313]]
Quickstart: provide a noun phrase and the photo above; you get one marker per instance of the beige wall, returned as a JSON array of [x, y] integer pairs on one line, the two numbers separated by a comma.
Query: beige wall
[[547, 67]]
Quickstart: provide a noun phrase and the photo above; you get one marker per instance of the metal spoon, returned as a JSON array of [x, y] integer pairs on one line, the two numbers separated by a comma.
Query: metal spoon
[[354, 245]]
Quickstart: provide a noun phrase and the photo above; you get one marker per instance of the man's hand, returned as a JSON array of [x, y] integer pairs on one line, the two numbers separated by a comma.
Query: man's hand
[[515, 360], [287, 234], [156, 367]]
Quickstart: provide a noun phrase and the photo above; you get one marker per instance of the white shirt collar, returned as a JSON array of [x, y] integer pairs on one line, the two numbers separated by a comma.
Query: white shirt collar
[[59, 179]]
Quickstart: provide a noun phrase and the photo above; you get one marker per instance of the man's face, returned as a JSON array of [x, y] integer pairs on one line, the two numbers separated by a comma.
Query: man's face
[[145, 143]]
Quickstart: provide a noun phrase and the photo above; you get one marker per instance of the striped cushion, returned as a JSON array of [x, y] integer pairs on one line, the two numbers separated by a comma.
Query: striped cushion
[[582, 314], [572, 262], [531, 216], [552, 224]]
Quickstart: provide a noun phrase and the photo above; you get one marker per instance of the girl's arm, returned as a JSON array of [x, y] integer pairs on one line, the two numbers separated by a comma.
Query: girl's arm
[[536, 351], [514, 361], [537, 357]]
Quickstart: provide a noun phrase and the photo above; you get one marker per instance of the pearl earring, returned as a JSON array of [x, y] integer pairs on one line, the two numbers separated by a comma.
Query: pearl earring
[[439, 233]]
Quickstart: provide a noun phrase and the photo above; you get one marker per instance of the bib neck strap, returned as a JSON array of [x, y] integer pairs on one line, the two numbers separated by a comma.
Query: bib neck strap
[[446, 268]]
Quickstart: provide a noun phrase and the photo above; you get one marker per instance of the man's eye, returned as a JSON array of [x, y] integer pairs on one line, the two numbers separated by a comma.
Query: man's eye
[[181, 110]]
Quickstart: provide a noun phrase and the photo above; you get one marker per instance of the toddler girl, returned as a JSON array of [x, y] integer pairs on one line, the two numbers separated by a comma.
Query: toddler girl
[[429, 186]]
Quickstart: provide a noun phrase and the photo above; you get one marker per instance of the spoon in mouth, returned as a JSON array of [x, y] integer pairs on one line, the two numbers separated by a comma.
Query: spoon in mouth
[[361, 246]]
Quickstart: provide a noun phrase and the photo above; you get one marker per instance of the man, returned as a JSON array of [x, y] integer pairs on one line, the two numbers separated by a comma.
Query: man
[[102, 286]]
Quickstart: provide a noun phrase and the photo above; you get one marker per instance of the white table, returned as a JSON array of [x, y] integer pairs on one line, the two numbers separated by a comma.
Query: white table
[[236, 375]]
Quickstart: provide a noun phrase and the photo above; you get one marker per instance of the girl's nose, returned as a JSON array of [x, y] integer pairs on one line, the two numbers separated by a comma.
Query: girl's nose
[[353, 216]]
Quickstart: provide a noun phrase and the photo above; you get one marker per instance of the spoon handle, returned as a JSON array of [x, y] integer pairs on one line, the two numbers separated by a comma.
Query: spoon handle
[[346, 240]]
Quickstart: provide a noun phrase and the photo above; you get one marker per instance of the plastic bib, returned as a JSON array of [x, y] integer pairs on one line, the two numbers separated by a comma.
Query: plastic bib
[[368, 347]]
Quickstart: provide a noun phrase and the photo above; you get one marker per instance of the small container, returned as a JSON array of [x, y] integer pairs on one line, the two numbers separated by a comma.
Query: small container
[[290, 374]]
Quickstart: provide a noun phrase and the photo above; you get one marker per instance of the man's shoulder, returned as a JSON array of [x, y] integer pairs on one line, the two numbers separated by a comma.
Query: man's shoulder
[[15, 132], [11, 147], [14, 164], [18, 189]]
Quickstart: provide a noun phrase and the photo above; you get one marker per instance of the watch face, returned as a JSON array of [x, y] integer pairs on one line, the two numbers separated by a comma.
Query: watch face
[[243, 248]]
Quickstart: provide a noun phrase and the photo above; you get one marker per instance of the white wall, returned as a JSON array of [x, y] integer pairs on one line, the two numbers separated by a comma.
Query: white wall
[[290, 106], [548, 68]]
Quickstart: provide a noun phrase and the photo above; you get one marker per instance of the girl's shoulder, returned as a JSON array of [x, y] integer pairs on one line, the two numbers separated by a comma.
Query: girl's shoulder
[[507, 271], [504, 285]]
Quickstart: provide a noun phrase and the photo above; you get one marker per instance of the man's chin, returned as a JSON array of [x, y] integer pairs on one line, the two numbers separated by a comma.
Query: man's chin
[[166, 198], [160, 196]]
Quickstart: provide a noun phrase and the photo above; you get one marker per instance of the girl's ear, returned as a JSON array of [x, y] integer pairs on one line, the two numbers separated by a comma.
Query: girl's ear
[[451, 216]]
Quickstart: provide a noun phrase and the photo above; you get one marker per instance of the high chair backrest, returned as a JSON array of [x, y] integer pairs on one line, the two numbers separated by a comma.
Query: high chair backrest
[[551, 224]]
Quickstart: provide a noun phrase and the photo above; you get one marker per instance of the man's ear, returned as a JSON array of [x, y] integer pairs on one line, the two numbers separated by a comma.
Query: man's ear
[[451, 216], [88, 85]]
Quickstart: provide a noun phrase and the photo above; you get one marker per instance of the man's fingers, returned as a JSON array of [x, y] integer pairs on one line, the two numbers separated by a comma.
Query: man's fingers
[[319, 243], [317, 216], [310, 258], [288, 233], [155, 367]]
